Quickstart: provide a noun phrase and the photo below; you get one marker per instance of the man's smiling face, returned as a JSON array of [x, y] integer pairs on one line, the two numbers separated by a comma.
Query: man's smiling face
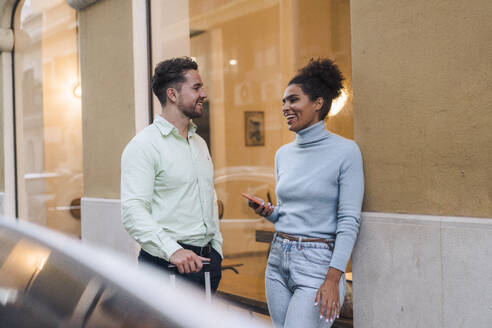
[[191, 95]]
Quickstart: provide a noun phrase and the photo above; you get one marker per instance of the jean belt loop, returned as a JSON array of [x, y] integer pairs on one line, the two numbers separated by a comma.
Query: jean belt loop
[[299, 244]]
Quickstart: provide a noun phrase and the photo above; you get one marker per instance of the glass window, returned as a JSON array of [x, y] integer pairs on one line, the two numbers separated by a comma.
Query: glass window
[[48, 115], [247, 51]]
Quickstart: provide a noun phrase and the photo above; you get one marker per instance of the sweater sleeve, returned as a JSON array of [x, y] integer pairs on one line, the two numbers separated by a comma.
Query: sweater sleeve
[[274, 217], [350, 193]]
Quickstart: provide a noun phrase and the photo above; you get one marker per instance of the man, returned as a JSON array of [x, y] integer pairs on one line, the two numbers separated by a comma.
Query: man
[[168, 199]]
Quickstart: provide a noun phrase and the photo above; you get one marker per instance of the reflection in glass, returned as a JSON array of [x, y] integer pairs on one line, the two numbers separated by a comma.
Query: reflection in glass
[[48, 114], [247, 51]]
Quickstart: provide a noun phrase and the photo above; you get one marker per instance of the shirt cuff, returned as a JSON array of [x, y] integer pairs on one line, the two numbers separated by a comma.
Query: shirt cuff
[[274, 217], [339, 263], [169, 248]]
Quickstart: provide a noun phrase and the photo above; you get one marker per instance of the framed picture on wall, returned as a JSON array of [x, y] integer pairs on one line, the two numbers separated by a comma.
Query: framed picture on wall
[[254, 127]]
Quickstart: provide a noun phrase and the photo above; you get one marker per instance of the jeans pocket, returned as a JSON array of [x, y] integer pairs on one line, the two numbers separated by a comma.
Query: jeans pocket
[[317, 255], [275, 255]]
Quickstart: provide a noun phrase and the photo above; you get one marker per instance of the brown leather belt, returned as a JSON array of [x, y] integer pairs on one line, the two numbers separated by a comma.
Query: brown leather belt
[[330, 242]]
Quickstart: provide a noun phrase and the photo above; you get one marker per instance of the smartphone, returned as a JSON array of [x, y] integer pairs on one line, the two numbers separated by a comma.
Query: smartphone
[[257, 202]]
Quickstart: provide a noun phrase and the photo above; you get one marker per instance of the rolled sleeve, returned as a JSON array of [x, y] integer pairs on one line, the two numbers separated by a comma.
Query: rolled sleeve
[[275, 215]]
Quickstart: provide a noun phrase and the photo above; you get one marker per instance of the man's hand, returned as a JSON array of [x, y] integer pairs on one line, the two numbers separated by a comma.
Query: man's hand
[[328, 296], [187, 261]]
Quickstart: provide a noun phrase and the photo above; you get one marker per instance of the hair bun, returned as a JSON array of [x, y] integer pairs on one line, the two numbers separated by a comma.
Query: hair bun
[[327, 72], [320, 78]]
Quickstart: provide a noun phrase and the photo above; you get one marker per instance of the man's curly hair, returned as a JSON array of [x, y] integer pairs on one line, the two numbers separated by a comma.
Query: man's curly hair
[[320, 78], [170, 74]]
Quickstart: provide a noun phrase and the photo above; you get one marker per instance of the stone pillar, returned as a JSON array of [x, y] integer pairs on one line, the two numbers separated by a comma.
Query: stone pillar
[[114, 75], [422, 77]]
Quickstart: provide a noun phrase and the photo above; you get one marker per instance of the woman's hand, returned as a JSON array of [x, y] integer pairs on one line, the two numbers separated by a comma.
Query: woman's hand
[[263, 209], [328, 296]]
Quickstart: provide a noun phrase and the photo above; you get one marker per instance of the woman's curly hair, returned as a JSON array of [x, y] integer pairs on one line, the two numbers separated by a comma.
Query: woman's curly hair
[[320, 78], [170, 73]]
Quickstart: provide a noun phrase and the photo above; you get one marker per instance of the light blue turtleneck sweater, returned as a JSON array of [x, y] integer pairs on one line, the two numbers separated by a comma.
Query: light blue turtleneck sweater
[[320, 186]]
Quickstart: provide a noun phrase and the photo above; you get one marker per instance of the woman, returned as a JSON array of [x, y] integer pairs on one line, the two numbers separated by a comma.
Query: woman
[[320, 186]]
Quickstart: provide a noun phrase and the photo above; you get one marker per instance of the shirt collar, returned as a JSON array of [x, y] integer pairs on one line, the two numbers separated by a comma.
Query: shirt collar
[[166, 128], [312, 134]]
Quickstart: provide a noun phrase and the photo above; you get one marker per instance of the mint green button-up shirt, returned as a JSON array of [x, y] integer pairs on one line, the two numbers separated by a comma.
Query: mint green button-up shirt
[[167, 190]]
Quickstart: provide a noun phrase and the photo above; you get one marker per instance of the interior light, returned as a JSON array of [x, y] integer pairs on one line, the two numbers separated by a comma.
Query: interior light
[[232, 62], [337, 104], [77, 90]]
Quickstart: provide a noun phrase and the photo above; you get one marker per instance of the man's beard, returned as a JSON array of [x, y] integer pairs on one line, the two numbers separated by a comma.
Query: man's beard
[[191, 113]]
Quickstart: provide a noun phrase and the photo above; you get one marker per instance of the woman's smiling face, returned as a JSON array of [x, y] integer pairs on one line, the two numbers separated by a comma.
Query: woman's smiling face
[[299, 111]]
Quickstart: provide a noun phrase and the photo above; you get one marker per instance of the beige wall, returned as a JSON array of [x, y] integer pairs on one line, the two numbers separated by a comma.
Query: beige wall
[[422, 77], [106, 53]]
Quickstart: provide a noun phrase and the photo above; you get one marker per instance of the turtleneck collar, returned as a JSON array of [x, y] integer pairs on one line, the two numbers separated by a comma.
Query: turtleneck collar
[[312, 134]]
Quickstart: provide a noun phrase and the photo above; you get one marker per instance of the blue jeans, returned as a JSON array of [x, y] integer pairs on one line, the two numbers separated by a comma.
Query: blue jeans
[[294, 273]]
